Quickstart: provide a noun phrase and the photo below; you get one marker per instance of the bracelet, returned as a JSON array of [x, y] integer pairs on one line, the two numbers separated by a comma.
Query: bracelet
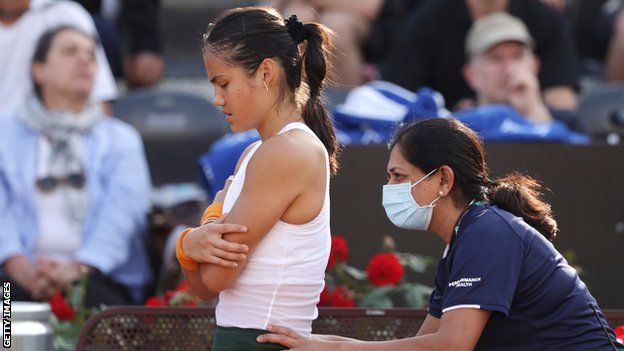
[[213, 212], [185, 261]]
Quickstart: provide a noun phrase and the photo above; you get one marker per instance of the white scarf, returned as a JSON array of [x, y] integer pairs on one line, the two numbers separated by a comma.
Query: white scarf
[[63, 129]]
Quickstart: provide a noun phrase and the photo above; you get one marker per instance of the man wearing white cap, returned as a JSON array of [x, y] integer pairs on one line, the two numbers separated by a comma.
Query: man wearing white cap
[[502, 68]]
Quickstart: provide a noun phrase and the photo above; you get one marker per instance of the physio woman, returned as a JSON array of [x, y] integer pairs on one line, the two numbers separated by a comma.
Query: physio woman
[[501, 284]]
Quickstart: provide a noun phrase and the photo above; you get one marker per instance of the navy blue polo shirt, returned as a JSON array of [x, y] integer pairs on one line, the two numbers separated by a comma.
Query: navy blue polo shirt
[[497, 262]]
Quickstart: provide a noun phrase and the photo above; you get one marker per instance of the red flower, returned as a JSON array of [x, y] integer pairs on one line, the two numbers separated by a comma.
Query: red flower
[[155, 301], [339, 251], [60, 308], [325, 299], [339, 248], [183, 286], [384, 269], [331, 262], [342, 297], [619, 332]]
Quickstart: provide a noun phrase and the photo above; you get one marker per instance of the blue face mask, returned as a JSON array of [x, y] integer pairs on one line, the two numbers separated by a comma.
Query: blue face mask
[[401, 208]]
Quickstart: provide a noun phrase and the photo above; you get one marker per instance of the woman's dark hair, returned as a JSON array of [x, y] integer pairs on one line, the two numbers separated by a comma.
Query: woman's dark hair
[[43, 47], [244, 37], [433, 143]]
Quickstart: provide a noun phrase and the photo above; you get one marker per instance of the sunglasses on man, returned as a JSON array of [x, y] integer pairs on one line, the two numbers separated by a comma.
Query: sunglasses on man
[[49, 183]]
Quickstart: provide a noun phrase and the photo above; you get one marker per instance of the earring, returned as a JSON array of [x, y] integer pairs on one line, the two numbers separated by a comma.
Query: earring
[[265, 86], [441, 193]]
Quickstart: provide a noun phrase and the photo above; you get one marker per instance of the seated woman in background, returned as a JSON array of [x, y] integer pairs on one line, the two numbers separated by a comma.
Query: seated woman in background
[[74, 184]]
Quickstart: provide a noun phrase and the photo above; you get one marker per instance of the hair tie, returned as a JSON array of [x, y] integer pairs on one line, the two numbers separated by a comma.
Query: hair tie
[[295, 29]]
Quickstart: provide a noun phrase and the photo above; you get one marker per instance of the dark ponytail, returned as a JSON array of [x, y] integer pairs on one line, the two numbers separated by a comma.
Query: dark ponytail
[[433, 143], [246, 36], [315, 64], [522, 196]]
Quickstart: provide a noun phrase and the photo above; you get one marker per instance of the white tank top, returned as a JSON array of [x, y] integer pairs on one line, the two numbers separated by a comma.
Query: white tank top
[[283, 278]]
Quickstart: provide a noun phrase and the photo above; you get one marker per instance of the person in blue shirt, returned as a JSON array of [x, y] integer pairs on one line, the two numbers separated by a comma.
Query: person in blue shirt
[[501, 284], [74, 184]]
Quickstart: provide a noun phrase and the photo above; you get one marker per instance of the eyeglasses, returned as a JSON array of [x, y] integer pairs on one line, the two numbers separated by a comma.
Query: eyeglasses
[[47, 184]]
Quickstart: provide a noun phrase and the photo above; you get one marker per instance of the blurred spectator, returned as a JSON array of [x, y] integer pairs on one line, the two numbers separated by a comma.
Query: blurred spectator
[[136, 20], [74, 185], [614, 61], [21, 24], [384, 31], [598, 27], [558, 5], [351, 21], [599, 31], [430, 50], [502, 70], [589, 23]]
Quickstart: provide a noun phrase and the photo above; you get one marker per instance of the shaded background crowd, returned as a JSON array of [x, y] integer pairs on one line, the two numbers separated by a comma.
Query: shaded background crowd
[[85, 84]]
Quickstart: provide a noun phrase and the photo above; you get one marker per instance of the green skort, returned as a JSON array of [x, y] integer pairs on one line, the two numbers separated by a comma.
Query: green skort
[[241, 339]]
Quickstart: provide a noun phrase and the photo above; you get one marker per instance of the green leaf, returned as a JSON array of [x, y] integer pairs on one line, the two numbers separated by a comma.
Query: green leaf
[[376, 302], [354, 272], [417, 263], [176, 299], [330, 282], [378, 292], [417, 296], [382, 290], [63, 343], [75, 296], [377, 297], [403, 287]]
